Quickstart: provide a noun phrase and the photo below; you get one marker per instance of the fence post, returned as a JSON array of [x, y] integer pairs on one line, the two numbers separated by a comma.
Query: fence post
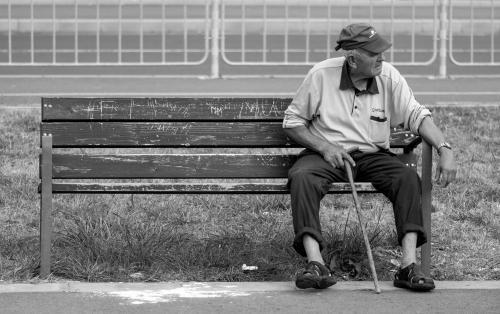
[[443, 36], [215, 49]]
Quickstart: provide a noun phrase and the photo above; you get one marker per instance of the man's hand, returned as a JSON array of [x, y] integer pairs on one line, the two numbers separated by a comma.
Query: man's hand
[[446, 171], [335, 155], [332, 153]]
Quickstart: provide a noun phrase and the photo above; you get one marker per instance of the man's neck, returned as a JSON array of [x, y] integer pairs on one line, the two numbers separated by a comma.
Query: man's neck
[[361, 83]]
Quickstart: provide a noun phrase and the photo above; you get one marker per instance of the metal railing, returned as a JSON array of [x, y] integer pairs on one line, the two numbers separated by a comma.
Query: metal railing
[[474, 33], [289, 32], [242, 32], [104, 32]]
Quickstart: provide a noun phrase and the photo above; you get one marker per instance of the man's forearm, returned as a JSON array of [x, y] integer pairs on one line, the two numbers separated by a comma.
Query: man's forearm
[[303, 136], [431, 133], [446, 169]]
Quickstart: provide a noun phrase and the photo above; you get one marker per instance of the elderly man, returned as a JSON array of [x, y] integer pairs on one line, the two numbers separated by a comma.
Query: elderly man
[[343, 112]]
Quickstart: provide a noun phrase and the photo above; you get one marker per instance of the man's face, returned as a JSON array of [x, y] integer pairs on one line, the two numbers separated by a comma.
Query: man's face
[[368, 64]]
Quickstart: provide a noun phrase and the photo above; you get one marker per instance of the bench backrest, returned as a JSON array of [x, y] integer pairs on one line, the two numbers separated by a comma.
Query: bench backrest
[[181, 124]]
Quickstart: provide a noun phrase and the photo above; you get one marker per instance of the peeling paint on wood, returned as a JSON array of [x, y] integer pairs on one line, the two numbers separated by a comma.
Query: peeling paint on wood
[[197, 188], [171, 166], [167, 134], [184, 134]]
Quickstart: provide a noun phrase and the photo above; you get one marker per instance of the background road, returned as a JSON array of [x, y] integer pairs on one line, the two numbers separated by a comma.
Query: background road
[[26, 91]]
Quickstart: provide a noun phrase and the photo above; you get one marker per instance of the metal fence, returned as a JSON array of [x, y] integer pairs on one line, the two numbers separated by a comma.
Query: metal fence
[[474, 30], [103, 32], [242, 32], [304, 32]]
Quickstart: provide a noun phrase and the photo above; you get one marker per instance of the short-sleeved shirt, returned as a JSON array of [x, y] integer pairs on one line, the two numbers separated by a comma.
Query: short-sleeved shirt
[[332, 108]]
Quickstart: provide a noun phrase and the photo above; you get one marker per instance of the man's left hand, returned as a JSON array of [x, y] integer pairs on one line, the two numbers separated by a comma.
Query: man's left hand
[[446, 171]]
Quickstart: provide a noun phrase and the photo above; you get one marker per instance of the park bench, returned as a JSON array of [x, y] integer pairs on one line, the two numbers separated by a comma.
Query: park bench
[[181, 127]]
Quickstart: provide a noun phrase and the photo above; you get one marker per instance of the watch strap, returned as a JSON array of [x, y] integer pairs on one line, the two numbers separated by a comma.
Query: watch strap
[[443, 144]]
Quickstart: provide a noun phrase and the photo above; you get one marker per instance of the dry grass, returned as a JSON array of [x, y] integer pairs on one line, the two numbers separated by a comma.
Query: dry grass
[[206, 238]]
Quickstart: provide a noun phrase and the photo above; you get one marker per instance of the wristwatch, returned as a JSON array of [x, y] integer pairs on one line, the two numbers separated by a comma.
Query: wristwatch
[[445, 145]]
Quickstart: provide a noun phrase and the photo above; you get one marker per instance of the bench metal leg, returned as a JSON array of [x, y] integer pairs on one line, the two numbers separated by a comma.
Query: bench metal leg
[[426, 204], [46, 206]]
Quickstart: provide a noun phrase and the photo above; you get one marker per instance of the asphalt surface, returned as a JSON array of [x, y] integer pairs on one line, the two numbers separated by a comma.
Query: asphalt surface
[[26, 91], [245, 297]]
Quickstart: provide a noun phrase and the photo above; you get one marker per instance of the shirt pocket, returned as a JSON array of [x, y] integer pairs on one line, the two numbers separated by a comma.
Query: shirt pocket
[[380, 131]]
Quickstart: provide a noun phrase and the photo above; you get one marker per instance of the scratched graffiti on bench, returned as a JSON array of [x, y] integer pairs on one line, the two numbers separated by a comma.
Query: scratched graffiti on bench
[[166, 108]]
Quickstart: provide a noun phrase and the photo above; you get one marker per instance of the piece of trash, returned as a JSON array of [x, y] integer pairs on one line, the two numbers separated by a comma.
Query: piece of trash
[[136, 276], [395, 262], [244, 267]]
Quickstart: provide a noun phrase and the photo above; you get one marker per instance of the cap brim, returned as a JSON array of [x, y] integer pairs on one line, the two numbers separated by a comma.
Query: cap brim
[[377, 46]]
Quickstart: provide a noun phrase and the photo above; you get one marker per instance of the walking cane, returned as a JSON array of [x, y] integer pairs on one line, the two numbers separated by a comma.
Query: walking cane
[[365, 237]]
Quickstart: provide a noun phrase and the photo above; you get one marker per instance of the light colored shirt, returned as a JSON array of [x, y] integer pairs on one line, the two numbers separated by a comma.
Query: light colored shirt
[[348, 117]]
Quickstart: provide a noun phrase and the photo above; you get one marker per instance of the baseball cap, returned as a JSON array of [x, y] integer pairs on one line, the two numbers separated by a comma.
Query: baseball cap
[[361, 35]]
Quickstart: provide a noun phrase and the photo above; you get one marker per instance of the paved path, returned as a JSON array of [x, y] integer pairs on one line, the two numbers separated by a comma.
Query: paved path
[[246, 297], [18, 91]]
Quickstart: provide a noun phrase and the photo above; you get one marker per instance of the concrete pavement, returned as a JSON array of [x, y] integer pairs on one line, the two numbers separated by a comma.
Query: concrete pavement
[[246, 297]]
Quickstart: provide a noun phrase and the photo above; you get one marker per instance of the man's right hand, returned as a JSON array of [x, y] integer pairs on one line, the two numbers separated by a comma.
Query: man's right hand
[[332, 153], [335, 155]]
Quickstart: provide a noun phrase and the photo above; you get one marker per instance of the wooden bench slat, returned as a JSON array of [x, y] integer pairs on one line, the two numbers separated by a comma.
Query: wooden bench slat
[[150, 166], [166, 109], [184, 134], [177, 166], [167, 134], [195, 188]]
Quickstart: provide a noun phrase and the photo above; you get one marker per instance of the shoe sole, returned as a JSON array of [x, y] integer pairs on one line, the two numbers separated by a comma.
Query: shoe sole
[[414, 287], [314, 282]]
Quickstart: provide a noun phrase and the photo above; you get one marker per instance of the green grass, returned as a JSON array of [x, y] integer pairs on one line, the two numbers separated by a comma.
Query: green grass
[[209, 237]]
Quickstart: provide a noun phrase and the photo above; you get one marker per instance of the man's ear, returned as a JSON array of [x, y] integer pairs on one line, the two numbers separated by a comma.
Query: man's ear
[[351, 60]]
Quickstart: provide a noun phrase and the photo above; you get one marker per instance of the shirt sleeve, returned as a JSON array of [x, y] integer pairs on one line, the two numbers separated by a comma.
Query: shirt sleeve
[[407, 110], [304, 105]]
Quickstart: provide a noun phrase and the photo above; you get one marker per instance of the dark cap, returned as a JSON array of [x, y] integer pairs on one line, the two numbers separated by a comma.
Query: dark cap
[[363, 36]]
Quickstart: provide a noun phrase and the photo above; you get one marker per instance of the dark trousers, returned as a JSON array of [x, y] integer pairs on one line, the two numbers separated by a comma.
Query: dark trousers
[[310, 177]]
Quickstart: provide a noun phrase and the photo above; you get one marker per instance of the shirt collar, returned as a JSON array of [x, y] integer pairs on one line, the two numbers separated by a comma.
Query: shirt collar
[[346, 82]]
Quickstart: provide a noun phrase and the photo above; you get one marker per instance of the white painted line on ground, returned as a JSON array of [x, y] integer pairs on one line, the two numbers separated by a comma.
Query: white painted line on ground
[[144, 94], [172, 76], [302, 76], [463, 104], [200, 94], [36, 106], [228, 76], [459, 93], [33, 106], [462, 76]]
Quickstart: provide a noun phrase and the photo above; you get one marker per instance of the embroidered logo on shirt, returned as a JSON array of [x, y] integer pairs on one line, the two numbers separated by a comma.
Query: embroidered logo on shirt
[[378, 119], [378, 114]]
